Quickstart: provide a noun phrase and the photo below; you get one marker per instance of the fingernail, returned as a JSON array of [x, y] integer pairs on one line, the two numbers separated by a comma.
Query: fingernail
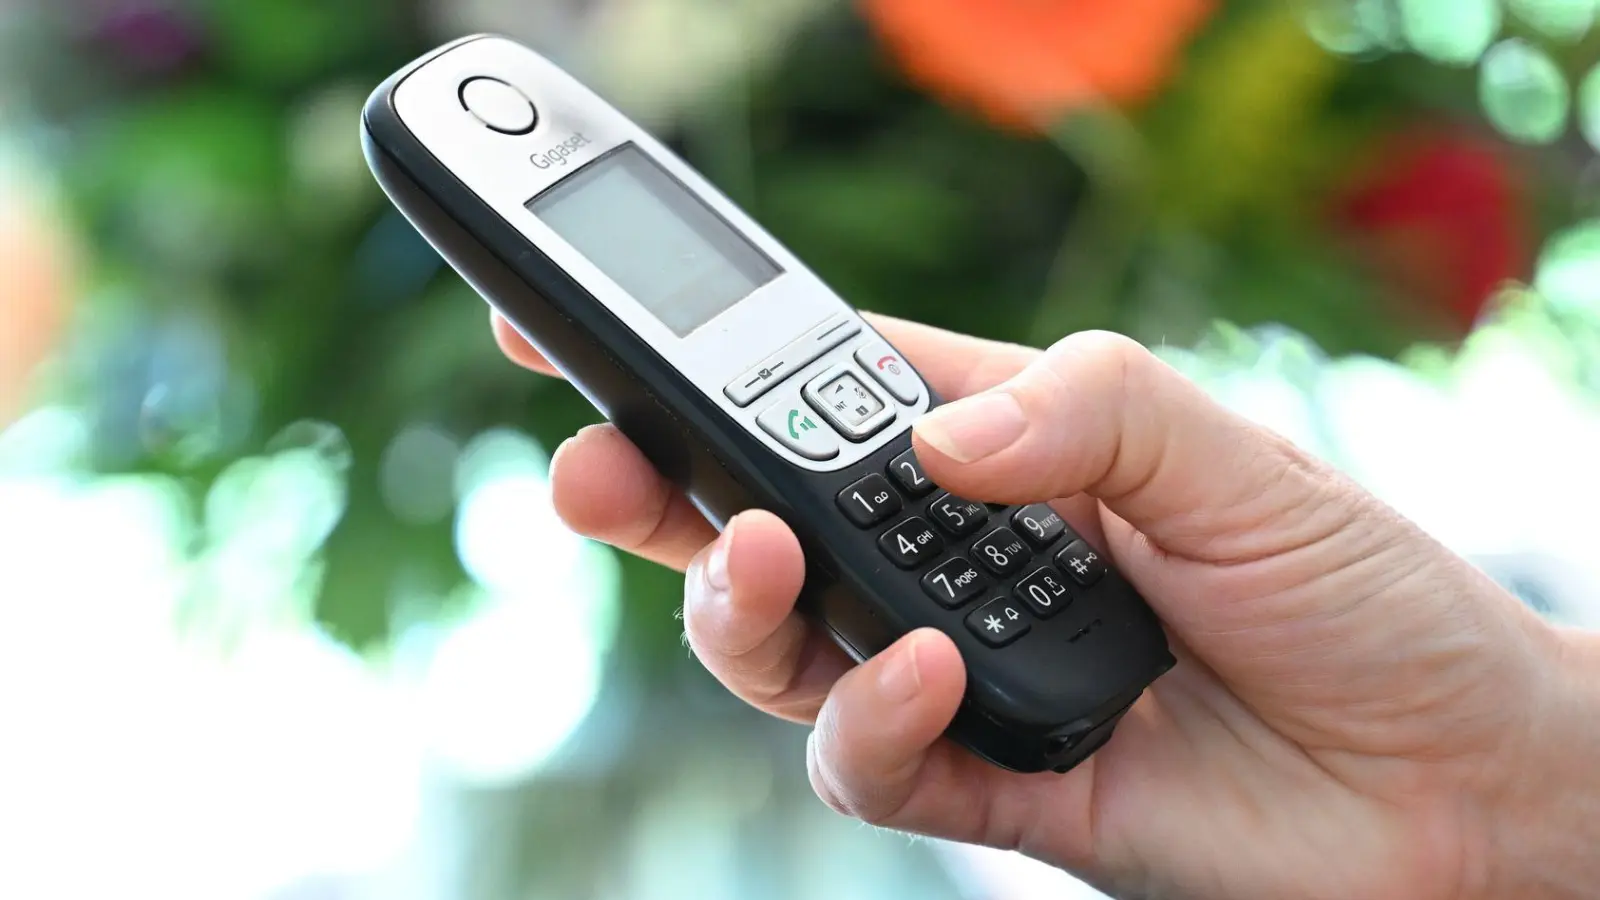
[[900, 679], [717, 562], [975, 428]]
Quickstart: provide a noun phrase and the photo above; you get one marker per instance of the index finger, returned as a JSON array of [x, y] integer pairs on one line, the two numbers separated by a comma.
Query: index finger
[[955, 365]]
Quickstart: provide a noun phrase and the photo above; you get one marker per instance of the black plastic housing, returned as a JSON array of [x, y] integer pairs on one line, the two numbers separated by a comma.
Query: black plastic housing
[[1044, 703]]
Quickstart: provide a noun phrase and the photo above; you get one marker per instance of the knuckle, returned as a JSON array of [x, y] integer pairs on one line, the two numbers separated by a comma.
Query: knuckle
[[1102, 351], [1092, 360]]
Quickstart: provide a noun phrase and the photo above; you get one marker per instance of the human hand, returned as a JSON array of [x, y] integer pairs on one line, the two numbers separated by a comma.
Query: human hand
[[1356, 712]]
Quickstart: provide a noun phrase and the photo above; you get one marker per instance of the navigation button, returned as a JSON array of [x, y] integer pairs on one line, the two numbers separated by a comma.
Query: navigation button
[[885, 364], [796, 427], [849, 404]]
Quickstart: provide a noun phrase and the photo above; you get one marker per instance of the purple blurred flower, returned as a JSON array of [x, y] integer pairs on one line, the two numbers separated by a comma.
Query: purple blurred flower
[[148, 35]]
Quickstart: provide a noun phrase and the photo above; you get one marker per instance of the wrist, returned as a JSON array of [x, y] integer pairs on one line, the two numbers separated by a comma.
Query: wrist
[[1547, 821]]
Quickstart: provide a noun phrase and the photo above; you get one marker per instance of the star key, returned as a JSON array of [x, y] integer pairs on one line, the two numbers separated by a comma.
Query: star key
[[999, 622]]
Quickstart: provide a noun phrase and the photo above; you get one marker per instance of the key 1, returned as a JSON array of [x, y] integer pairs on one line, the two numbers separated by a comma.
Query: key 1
[[870, 501]]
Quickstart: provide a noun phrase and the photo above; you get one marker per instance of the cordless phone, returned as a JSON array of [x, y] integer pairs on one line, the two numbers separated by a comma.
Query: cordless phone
[[749, 383]]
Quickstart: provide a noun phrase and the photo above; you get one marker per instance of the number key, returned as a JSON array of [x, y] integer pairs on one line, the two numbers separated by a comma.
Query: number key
[[1001, 552], [1040, 524], [956, 516], [908, 472], [911, 544], [1045, 592], [869, 501], [954, 583]]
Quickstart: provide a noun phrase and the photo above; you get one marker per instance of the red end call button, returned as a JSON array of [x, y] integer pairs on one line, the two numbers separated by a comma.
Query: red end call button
[[891, 371]]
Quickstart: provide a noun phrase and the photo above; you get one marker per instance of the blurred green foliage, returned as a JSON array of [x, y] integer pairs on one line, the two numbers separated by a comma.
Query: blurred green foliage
[[214, 169]]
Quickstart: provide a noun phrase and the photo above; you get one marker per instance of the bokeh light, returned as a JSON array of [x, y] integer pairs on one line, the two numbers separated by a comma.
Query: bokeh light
[[1569, 271], [1562, 20], [1523, 92], [505, 688], [1451, 32], [417, 473], [1589, 107]]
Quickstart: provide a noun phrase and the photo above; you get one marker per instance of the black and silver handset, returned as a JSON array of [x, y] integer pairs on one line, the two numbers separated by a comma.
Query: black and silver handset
[[747, 381]]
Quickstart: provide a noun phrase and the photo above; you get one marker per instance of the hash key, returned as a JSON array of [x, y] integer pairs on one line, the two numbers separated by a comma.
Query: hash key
[[1082, 563]]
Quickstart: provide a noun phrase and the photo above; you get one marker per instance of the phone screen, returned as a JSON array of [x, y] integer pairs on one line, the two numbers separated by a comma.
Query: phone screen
[[655, 239]]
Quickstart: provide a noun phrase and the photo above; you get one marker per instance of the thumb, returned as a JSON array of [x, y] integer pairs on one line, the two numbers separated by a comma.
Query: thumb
[[1301, 590], [1099, 414]]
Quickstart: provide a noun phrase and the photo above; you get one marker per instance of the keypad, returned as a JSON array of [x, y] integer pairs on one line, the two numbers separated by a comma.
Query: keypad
[[1002, 585], [954, 583], [1045, 591], [1040, 524], [999, 622], [957, 517], [912, 544], [870, 501], [907, 472], [1082, 563], [1001, 552]]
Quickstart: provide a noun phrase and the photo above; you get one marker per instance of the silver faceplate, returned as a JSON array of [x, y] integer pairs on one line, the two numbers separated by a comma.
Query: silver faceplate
[[502, 171]]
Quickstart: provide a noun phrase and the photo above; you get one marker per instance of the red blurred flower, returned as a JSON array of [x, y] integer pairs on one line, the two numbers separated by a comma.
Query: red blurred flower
[[1442, 214], [1021, 62]]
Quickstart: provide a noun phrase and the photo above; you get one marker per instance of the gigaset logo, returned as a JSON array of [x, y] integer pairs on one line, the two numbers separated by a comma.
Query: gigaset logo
[[557, 155]]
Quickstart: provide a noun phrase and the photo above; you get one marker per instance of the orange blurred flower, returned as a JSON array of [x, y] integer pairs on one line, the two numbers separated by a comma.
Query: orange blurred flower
[[1022, 62], [33, 298]]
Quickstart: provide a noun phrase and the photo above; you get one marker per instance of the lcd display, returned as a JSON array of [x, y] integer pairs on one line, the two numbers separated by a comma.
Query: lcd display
[[655, 239]]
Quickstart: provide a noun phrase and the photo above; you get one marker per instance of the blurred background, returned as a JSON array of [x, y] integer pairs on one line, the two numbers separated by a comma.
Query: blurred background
[[284, 611]]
